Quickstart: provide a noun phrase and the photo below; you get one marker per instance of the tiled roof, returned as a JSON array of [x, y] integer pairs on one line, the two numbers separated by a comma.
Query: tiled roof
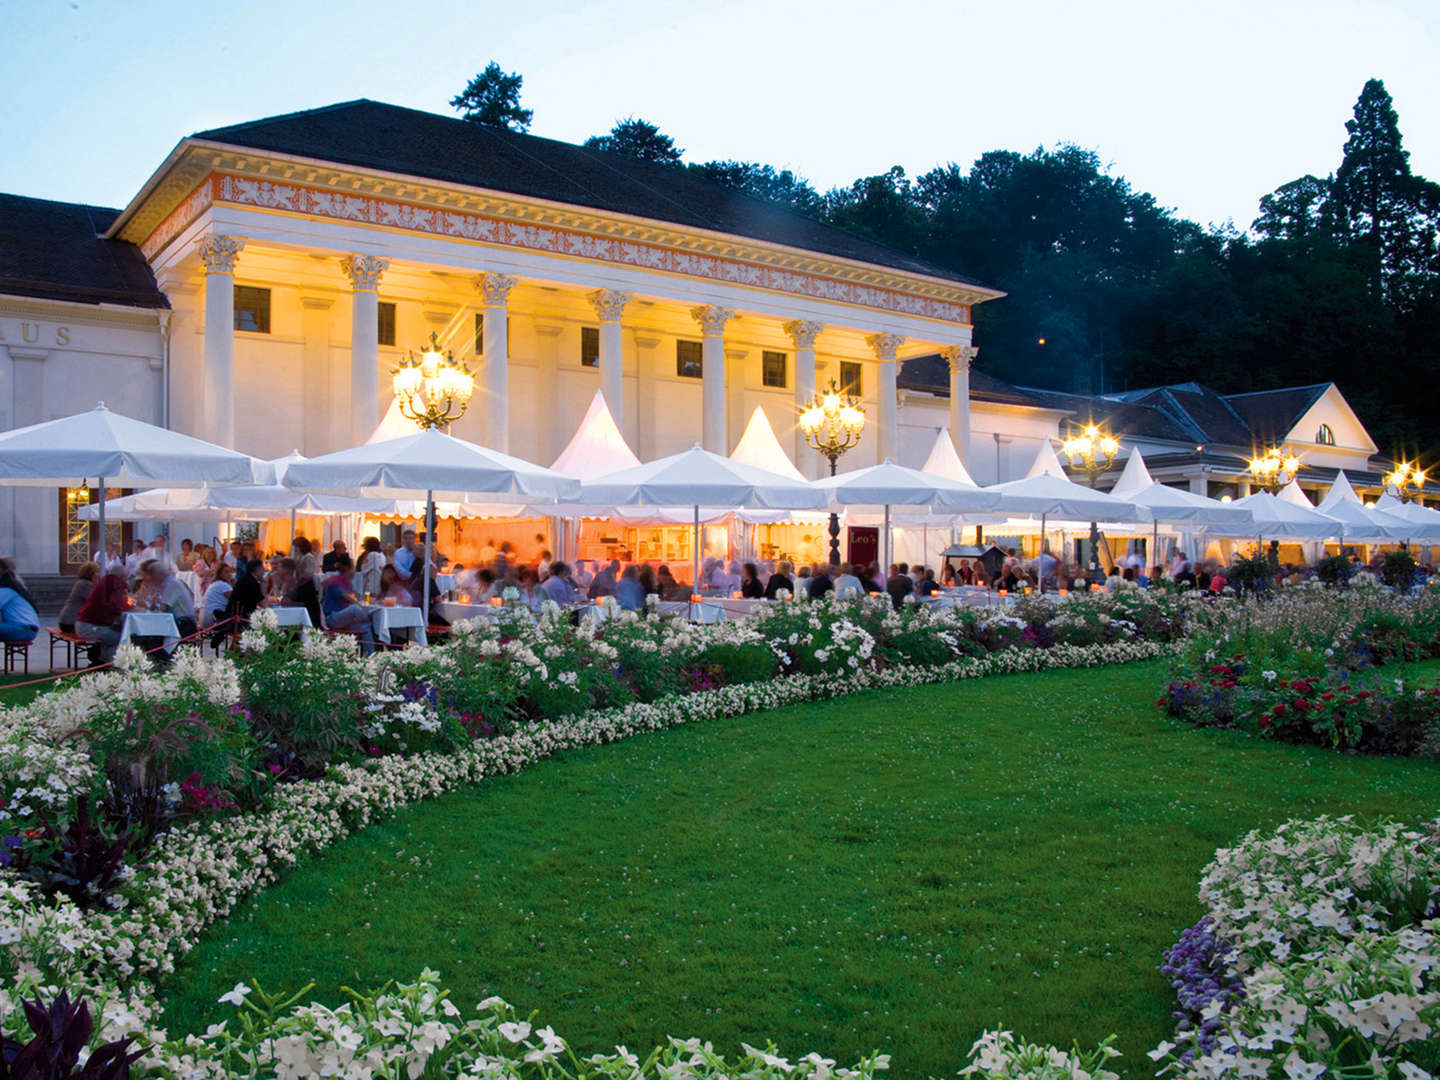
[[54, 251], [1271, 414], [374, 135]]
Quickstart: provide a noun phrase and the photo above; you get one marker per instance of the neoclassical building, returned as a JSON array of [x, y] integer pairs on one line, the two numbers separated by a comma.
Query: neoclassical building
[[261, 286]]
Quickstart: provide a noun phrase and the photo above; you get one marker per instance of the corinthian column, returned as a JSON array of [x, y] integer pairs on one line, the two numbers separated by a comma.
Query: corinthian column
[[494, 292], [712, 320], [219, 253], [609, 306], [365, 412], [960, 357], [803, 333], [886, 441]]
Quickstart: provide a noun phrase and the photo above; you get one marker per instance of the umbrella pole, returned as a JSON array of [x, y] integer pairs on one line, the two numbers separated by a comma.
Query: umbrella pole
[[429, 527], [1154, 544], [695, 553], [292, 530], [101, 541], [888, 553], [1040, 561]]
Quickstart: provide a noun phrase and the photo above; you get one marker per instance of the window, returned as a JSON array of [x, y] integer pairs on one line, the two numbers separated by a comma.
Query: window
[[850, 378], [589, 346], [1325, 436], [689, 361], [480, 335], [252, 309], [385, 316], [772, 369]]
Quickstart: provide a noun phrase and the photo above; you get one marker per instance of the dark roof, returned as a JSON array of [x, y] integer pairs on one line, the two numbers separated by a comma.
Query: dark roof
[[1271, 414], [931, 374], [374, 135], [54, 251], [1204, 415]]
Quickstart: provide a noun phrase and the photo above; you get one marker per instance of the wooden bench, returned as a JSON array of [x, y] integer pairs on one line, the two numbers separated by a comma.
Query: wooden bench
[[17, 650], [75, 647]]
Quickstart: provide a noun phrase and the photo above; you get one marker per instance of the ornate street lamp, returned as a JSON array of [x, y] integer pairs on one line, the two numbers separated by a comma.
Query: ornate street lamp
[[832, 424], [1405, 482], [1273, 469], [432, 389], [1093, 452]]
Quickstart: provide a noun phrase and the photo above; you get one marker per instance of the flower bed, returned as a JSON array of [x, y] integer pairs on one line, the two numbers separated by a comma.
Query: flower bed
[[195, 761], [1306, 666]]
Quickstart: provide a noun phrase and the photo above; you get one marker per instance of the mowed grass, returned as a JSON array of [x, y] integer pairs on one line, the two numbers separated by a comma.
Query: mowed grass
[[891, 871]]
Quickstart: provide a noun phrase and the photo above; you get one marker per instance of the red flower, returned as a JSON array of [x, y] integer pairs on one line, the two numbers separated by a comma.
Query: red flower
[[1327, 697], [1301, 706], [1363, 694], [1264, 719], [1280, 709]]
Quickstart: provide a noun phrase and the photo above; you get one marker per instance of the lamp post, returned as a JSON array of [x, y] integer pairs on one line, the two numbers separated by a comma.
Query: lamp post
[[832, 424], [1405, 482], [1272, 469], [432, 389], [1092, 451]]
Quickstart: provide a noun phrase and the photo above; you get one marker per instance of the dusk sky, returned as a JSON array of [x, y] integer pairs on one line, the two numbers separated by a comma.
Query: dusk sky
[[1207, 107]]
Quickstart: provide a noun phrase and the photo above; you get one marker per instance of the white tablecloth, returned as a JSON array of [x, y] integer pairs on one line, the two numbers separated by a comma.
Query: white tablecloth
[[706, 611], [399, 618], [445, 582], [292, 616], [159, 624], [457, 612]]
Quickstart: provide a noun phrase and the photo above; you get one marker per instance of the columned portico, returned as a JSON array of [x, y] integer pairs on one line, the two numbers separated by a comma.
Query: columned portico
[[712, 320], [365, 409], [494, 386], [885, 346], [959, 358], [219, 253], [803, 333], [609, 306]]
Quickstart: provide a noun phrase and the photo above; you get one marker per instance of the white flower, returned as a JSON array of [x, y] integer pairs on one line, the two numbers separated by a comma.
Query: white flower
[[236, 996], [515, 1032]]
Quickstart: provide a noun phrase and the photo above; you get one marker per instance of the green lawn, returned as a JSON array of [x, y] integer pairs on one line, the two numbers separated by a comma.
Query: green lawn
[[894, 871]]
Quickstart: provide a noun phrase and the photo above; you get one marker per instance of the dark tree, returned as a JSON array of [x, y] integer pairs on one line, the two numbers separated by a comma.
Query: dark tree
[[1302, 207], [639, 139], [879, 208], [764, 182], [492, 98]]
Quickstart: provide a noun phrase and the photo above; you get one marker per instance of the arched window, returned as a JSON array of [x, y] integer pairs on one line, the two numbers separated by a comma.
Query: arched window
[[1325, 436]]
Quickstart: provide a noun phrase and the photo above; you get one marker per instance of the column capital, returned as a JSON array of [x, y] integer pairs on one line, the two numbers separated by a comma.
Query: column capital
[[494, 289], [802, 332], [219, 252], [609, 304], [959, 357], [712, 318], [364, 271], [885, 345]]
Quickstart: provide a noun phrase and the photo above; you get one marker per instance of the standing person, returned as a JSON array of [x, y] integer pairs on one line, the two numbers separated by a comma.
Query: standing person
[[112, 561], [85, 579], [158, 553], [18, 621], [372, 565], [232, 556], [544, 566], [405, 556], [100, 616], [134, 559]]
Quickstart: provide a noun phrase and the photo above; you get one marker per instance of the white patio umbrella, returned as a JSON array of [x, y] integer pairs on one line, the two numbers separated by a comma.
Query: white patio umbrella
[[697, 478], [121, 450], [1276, 518], [888, 484], [432, 462], [1046, 492], [1424, 521], [1156, 502], [1358, 522]]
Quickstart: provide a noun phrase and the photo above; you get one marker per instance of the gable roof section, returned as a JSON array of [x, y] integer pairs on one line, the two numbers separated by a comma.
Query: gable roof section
[[55, 251], [373, 135], [1273, 414], [931, 375]]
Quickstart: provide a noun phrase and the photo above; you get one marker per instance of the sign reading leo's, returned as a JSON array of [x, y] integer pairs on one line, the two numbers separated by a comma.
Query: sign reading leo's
[[32, 333]]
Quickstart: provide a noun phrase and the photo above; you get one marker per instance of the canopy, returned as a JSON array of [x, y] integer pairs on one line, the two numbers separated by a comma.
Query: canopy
[[759, 447], [1358, 522], [1423, 521], [944, 461], [597, 447], [125, 451], [1159, 502], [1279, 518], [160, 504], [431, 463], [1047, 492]]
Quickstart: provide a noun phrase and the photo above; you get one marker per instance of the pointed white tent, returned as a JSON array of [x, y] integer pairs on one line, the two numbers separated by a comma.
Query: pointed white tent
[[1159, 502], [1421, 519], [1292, 494], [597, 447], [1280, 518], [393, 425], [1364, 525], [944, 461], [759, 447]]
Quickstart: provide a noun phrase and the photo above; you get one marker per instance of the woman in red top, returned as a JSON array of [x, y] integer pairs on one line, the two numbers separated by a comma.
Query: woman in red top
[[100, 616]]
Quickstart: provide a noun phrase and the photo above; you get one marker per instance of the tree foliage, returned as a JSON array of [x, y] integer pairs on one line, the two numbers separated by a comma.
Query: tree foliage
[[639, 139], [492, 98]]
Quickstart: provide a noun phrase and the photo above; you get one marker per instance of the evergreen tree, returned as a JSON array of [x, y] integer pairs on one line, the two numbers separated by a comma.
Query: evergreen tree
[[492, 98], [639, 139], [764, 182], [1302, 207]]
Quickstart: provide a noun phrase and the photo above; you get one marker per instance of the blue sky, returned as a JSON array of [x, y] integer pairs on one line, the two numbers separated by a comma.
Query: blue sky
[[1206, 106]]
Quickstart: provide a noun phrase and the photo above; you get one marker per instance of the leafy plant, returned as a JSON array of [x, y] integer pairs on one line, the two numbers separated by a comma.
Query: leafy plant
[[61, 1033], [1335, 570], [81, 861], [1398, 569]]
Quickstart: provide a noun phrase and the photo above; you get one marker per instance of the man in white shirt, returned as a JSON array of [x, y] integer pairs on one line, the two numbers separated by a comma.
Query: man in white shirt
[[157, 553], [846, 583], [134, 560], [232, 557], [166, 594], [405, 555], [112, 562], [582, 575]]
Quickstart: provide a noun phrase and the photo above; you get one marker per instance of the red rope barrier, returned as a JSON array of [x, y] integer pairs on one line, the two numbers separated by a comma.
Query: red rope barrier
[[209, 630]]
